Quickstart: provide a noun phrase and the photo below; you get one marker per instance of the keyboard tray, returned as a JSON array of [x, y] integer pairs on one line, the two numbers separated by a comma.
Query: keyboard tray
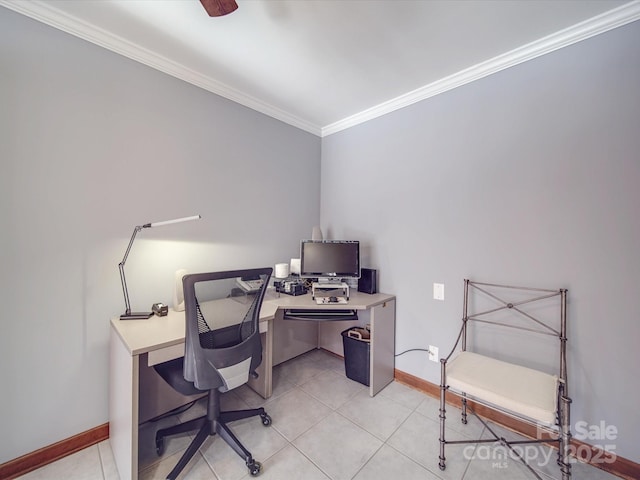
[[320, 315]]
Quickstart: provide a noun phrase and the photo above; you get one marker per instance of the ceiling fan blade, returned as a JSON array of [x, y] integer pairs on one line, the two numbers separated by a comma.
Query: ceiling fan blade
[[218, 8]]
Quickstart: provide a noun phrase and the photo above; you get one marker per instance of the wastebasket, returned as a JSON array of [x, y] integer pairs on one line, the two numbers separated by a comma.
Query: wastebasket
[[357, 350]]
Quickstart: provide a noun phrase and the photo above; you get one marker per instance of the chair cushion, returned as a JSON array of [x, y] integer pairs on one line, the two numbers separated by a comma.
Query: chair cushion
[[521, 390], [172, 372]]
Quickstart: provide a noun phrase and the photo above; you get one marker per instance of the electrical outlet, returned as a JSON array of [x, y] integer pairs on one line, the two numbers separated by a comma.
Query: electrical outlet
[[438, 291], [433, 354]]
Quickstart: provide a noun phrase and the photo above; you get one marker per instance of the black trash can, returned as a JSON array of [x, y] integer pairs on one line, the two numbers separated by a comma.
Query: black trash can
[[357, 351]]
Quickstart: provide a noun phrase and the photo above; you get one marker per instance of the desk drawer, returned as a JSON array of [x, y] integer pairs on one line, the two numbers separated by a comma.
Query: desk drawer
[[165, 354]]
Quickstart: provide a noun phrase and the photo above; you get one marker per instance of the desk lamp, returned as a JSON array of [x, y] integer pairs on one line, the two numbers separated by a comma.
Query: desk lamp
[[128, 314]]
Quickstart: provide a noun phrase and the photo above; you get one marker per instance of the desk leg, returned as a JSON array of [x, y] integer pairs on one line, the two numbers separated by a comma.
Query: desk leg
[[263, 384], [383, 339], [123, 408]]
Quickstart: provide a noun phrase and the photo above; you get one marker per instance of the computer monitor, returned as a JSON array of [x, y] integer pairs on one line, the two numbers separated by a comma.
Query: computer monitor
[[330, 260]]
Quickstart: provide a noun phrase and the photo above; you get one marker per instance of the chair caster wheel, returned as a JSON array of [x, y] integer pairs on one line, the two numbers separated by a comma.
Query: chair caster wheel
[[159, 446], [254, 468], [266, 419], [441, 466]]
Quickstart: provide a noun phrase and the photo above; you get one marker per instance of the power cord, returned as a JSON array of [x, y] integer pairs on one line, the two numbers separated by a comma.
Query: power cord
[[173, 412], [413, 350]]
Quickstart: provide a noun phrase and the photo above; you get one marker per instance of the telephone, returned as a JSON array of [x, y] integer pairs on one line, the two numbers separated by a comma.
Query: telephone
[[249, 285]]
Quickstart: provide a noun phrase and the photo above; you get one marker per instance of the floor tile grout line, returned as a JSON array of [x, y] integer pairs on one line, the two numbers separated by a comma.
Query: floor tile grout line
[[326, 474], [326, 404], [368, 460], [102, 463], [213, 472], [285, 445], [410, 459], [310, 427]]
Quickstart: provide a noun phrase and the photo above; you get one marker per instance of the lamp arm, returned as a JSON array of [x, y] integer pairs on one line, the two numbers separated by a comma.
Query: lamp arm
[[127, 307], [123, 280], [133, 237]]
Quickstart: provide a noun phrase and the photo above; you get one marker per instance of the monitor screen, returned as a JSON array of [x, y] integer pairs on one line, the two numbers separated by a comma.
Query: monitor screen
[[333, 259]]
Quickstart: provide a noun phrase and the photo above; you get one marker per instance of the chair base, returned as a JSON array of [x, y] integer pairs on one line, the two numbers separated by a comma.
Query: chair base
[[563, 460], [215, 422]]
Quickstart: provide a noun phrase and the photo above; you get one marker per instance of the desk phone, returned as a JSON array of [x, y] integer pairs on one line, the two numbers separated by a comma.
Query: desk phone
[[249, 285]]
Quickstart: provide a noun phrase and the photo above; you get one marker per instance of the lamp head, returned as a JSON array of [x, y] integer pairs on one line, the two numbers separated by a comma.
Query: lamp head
[[169, 222], [128, 314]]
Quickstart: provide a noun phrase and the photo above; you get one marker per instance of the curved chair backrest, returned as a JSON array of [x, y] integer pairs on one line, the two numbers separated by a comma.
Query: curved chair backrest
[[222, 343]]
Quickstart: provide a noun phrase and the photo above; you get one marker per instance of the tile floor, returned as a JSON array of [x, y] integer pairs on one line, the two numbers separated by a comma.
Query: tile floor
[[325, 427]]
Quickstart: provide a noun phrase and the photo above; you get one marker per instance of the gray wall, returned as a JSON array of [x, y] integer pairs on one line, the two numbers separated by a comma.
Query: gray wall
[[92, 144], [528, 177]]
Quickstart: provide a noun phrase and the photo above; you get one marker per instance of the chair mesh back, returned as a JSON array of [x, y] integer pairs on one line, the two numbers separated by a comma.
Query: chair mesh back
[[247, 327], [244, 329], [206, 338], [222, 330]]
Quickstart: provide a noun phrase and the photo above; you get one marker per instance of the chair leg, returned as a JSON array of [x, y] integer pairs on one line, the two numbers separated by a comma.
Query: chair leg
[[185, 427], [565, 438], [225, 432], [202, 435], [464, 409], [234, 415], [442, 415], [227, 435]]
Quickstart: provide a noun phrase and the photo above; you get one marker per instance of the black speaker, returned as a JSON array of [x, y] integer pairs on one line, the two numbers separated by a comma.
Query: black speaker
[[368, 281]]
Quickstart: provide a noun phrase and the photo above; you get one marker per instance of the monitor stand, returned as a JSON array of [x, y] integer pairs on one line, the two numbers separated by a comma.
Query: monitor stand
[[327, 289]]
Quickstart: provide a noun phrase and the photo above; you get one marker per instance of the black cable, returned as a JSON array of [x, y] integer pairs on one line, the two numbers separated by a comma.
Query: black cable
[[413, 350], [175, 411]]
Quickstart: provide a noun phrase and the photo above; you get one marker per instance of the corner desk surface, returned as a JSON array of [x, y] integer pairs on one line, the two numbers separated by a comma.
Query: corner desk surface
[[136, 345]]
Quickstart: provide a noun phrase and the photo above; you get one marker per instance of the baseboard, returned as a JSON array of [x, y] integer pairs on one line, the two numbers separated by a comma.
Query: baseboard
[[39, 458], [616, 465]]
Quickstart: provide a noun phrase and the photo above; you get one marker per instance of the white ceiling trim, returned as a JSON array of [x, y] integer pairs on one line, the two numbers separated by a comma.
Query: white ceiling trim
[[607, 21], [49, 15], [46, 13]]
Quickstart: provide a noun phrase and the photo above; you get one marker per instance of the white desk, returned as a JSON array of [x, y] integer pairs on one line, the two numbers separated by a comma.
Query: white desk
[[137, 345]]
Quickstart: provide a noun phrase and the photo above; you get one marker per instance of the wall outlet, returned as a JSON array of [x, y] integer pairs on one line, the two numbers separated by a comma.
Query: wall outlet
[[433, 354], [438, 291]]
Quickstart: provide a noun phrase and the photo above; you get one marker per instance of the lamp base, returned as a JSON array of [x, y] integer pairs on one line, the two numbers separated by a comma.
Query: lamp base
[[136, 316]]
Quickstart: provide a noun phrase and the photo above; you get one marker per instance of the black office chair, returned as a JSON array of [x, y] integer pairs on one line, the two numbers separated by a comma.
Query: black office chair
[[222, 348]]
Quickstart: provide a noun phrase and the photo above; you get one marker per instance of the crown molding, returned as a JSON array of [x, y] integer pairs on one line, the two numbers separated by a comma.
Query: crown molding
[[46, 13], [615, 18]]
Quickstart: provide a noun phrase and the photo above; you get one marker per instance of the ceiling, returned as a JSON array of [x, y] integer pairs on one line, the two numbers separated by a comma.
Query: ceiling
[[326, 65]]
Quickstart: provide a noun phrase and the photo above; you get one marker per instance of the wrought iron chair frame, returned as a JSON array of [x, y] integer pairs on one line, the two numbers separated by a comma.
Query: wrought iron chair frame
[[561, 436]]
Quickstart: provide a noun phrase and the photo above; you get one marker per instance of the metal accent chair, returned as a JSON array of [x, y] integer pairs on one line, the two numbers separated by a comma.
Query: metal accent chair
[[538, 395], [222, 349]]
